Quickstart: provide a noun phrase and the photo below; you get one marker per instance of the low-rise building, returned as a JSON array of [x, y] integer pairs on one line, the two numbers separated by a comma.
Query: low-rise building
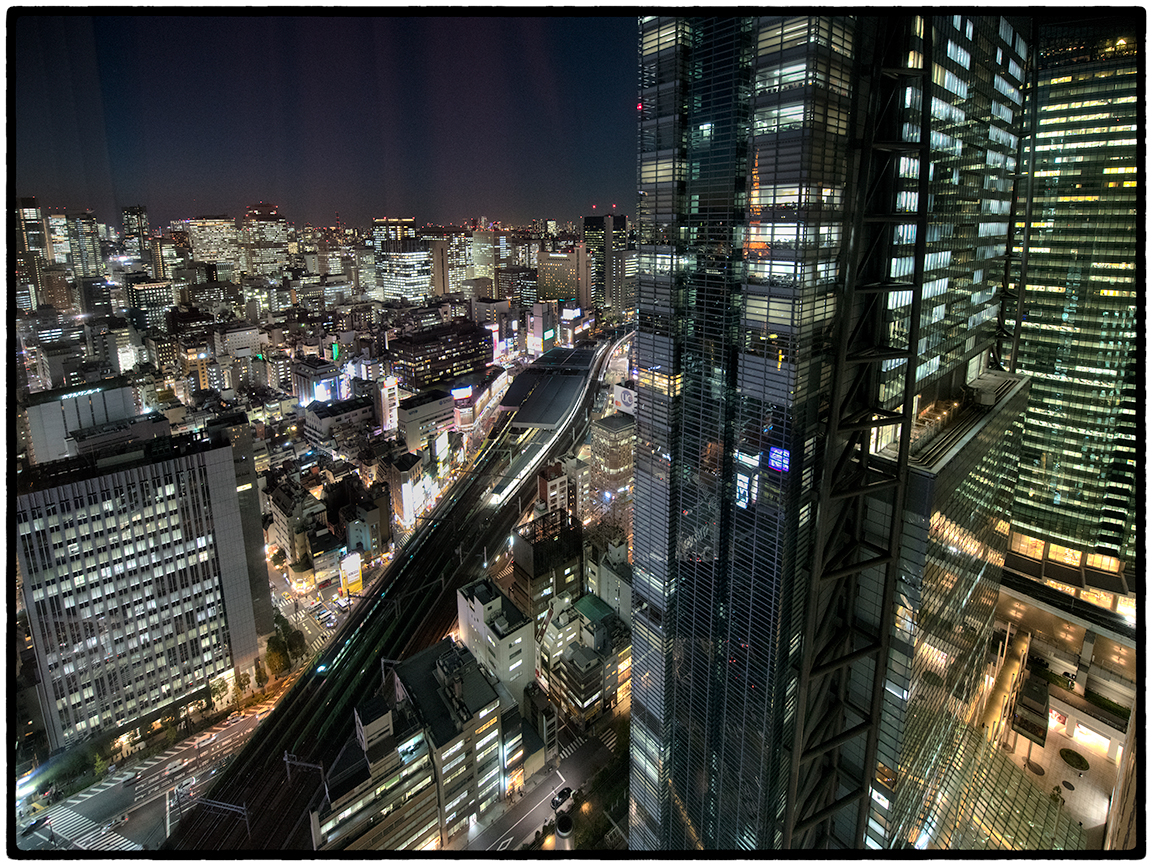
[[497, 633], [293, 509], [546, 561], [584, 673], [422, 418], [442, 747], [316, 379], [608, 575], [322, 421]]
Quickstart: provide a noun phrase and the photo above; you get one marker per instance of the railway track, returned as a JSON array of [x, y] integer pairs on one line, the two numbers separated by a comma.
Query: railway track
[[409, 608]]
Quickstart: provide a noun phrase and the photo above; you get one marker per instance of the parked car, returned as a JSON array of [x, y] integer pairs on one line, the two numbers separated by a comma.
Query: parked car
[[561, 795]]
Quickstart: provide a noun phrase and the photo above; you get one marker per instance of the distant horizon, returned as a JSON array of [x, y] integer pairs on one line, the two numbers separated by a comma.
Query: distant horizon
[[442, 118]]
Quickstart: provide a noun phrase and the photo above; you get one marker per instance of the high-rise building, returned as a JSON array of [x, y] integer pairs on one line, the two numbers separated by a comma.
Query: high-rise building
[[166, 257], [50, 416], [613, 441], [57, 291], [264, 240], [821, 236], [451, 252], [403, 270], [84, 245], [606, 238], [517, 284], [403, 261], [31, 229], [58, 243], [1074, 518], [565, 276], [153, 298], [137, 242], [214, 239], [135, 592], [28, 281]]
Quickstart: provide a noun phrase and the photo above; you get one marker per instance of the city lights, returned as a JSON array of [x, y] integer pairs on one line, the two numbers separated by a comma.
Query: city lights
[[817, 452]]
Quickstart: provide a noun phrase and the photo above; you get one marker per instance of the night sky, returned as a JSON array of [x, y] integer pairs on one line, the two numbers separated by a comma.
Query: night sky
[[439, 118]]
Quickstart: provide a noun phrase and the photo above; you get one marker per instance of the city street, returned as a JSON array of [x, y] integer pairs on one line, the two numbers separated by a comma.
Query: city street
[[581, 759], [127, 811]]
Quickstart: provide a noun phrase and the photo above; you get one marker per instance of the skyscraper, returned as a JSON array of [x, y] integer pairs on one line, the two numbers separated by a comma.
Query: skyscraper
[[1075, 506], [214, 239], [264, 240], [58, 242], [451, 251], [137, 242], [403, 261], [84, 245], [28, 281], [821, 229], [31, 234], [605, 238]]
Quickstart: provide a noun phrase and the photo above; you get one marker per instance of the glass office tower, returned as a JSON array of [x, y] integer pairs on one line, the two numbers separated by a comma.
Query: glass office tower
[[1074, 514], [819, 253]]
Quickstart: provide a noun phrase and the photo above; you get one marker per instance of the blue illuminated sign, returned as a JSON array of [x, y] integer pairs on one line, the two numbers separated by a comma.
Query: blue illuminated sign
[[778, 459]]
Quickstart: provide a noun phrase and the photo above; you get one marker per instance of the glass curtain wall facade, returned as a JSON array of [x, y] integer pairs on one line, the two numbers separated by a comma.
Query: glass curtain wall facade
[[1076, 499], [749, 214], [84, 245], [136, 233]]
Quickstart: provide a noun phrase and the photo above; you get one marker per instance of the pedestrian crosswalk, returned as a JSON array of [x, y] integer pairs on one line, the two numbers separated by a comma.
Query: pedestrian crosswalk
[[317, 643], [110, 841], [608, 738], [66, 825], [568, 750], [99, 788]]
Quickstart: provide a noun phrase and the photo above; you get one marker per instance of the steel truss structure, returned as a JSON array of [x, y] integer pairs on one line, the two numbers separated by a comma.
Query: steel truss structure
[[823, 782]]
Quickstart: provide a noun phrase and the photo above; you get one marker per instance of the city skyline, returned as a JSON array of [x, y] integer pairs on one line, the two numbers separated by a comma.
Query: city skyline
[[787, 508], [329, 116]]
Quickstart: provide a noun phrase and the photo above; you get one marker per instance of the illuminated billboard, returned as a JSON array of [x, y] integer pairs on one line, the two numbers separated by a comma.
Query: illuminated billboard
[[778, 459], [624, 399], [351, 573]]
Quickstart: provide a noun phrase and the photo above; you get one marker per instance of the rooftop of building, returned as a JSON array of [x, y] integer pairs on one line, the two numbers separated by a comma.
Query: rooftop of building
[[316, 363], [440, 705], [115, 458], [436, 333], [582, 657], [592, 608], [430, 396], [336, 408], [40, 397], [541, 398], [115, 426], [485, 591], [617, 422]]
